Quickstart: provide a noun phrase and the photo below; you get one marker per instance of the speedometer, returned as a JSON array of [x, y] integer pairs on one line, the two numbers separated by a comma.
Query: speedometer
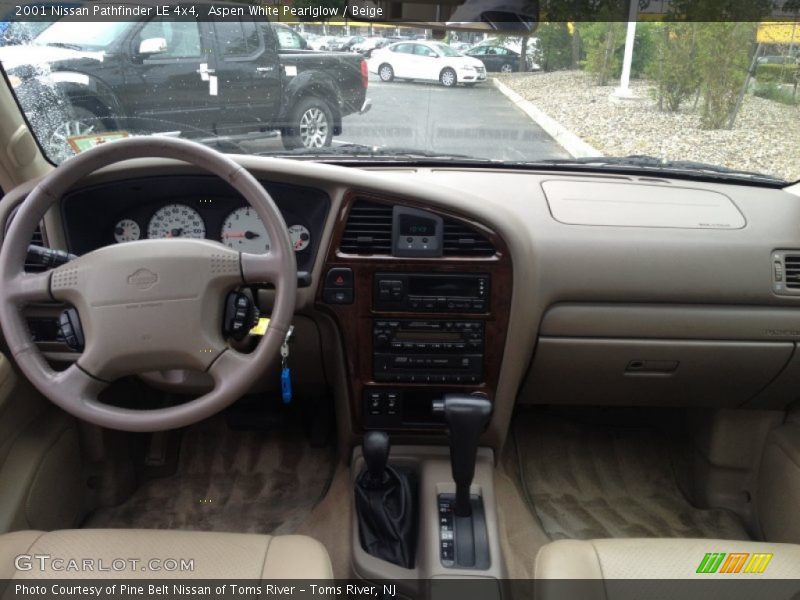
[[176, 220], [243, 230]]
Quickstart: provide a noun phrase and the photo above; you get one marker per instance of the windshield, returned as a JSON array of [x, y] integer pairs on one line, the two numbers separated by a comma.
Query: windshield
[[718, 98]]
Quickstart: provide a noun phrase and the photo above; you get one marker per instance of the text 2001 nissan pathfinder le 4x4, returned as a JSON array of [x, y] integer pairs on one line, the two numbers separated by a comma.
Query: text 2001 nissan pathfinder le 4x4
[[536, 338]]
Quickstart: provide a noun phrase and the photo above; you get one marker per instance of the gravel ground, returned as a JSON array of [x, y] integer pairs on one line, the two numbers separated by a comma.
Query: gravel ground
[[765, 137]]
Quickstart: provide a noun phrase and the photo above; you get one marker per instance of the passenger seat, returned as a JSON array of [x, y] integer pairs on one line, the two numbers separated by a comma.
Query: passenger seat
[[666, 558], [160, 554]]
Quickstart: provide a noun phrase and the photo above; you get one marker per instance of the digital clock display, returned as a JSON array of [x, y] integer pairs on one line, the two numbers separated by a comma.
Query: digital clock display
[[416, 232], [416, 226]]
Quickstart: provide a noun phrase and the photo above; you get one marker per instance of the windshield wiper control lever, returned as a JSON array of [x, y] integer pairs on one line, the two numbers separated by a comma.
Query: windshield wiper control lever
[[48, 258], [467, 417]]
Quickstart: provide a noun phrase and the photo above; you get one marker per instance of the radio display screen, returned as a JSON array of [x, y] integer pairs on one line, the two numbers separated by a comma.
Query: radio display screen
[[443, 286], [427, 336]]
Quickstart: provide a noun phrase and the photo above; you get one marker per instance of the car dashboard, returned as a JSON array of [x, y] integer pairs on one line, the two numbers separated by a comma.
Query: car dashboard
[[549, 288]]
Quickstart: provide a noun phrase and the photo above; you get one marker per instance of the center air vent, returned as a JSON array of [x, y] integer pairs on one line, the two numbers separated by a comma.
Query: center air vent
[[460, 240], [369, 231]]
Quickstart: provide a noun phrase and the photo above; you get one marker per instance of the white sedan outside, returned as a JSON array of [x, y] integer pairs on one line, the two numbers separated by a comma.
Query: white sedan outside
[[431, 61]]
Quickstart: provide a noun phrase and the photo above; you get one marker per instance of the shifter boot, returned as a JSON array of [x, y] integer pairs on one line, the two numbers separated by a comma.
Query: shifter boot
[[386, 514]]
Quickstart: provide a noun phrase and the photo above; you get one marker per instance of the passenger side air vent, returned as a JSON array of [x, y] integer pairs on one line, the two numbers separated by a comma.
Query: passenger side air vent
[[792, 270], [786, 272], [460, 240], [36, 240], [369, 231]]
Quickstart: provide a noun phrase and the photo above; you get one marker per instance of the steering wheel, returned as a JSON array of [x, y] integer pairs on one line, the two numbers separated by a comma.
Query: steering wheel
[[146, 305]]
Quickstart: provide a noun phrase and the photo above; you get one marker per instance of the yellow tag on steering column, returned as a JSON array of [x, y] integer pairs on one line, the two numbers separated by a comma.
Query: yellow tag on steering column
[[260, 328]]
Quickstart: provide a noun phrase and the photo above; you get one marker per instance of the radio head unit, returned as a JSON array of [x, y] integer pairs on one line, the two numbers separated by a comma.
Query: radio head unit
[[414, 292]]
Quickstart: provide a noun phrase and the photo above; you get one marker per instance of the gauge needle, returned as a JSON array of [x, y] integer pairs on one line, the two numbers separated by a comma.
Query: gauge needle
[[245, 234]]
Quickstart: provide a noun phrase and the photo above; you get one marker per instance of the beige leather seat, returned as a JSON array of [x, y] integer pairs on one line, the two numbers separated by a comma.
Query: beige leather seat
[[213, 555], [672, 558]]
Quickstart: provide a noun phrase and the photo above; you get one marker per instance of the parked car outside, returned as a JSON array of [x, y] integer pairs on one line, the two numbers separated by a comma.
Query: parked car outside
[[322, 43], [498, 59], [430, 61], [368, 46], [103, 75], [346, 43]]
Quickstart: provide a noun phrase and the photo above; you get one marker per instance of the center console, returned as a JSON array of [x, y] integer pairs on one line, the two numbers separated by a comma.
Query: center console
[[421, 299]]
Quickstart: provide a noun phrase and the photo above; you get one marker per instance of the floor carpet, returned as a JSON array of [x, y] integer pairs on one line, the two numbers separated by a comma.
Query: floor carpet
[[590, 481], [254, 482]]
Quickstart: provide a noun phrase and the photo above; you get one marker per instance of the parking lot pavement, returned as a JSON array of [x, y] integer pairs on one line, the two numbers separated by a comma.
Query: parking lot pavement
[[477, 121]]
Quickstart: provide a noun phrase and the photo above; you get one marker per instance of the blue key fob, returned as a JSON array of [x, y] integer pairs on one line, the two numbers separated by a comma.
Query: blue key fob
[[286, 385]]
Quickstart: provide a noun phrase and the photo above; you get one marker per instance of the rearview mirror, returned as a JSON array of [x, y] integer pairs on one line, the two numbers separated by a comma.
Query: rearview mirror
[[153, 46]]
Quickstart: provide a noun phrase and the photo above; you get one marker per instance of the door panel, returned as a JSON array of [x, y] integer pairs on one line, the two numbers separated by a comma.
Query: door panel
[[402, 60], [427, 62], [248, 74], [165, 91]]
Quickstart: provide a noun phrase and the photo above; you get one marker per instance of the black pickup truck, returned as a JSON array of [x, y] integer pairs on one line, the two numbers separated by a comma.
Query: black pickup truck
[[223, 79]]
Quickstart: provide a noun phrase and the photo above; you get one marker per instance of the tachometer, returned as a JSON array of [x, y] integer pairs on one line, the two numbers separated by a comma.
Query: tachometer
[[244, 231], [127, 230], [300, 237], [176, 220]]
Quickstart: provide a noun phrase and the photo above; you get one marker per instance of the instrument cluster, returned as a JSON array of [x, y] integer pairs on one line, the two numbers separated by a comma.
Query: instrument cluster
[[239, 228]]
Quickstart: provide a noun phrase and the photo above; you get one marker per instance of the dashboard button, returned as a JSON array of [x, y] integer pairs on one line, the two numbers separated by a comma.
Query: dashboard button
[[337, 296]]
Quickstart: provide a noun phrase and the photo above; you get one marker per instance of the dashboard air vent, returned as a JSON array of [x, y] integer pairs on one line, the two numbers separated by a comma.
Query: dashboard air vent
[[369, 231], [36, 240], [792, 265], [460, 240]]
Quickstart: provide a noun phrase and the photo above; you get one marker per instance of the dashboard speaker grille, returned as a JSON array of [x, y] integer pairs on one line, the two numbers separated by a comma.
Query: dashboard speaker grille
[[369, 231]]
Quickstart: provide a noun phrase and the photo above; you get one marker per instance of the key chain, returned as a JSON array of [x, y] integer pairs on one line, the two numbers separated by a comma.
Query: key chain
[[286, 375]]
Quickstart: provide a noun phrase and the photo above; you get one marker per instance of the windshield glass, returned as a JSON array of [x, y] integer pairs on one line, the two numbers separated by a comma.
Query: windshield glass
[[717, 98]]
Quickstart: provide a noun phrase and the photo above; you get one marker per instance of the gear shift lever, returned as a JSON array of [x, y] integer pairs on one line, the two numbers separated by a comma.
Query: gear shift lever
[[376, 455], [467, 417], [385, 505]]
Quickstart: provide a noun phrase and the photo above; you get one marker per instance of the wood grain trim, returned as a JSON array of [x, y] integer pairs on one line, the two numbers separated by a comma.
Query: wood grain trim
[[355, 320]]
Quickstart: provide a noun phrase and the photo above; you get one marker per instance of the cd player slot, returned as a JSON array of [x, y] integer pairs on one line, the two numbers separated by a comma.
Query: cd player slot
[[435, 351]]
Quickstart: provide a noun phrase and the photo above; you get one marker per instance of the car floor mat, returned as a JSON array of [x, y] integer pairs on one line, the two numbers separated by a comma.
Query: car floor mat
[[226, 480], [588, 481]]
